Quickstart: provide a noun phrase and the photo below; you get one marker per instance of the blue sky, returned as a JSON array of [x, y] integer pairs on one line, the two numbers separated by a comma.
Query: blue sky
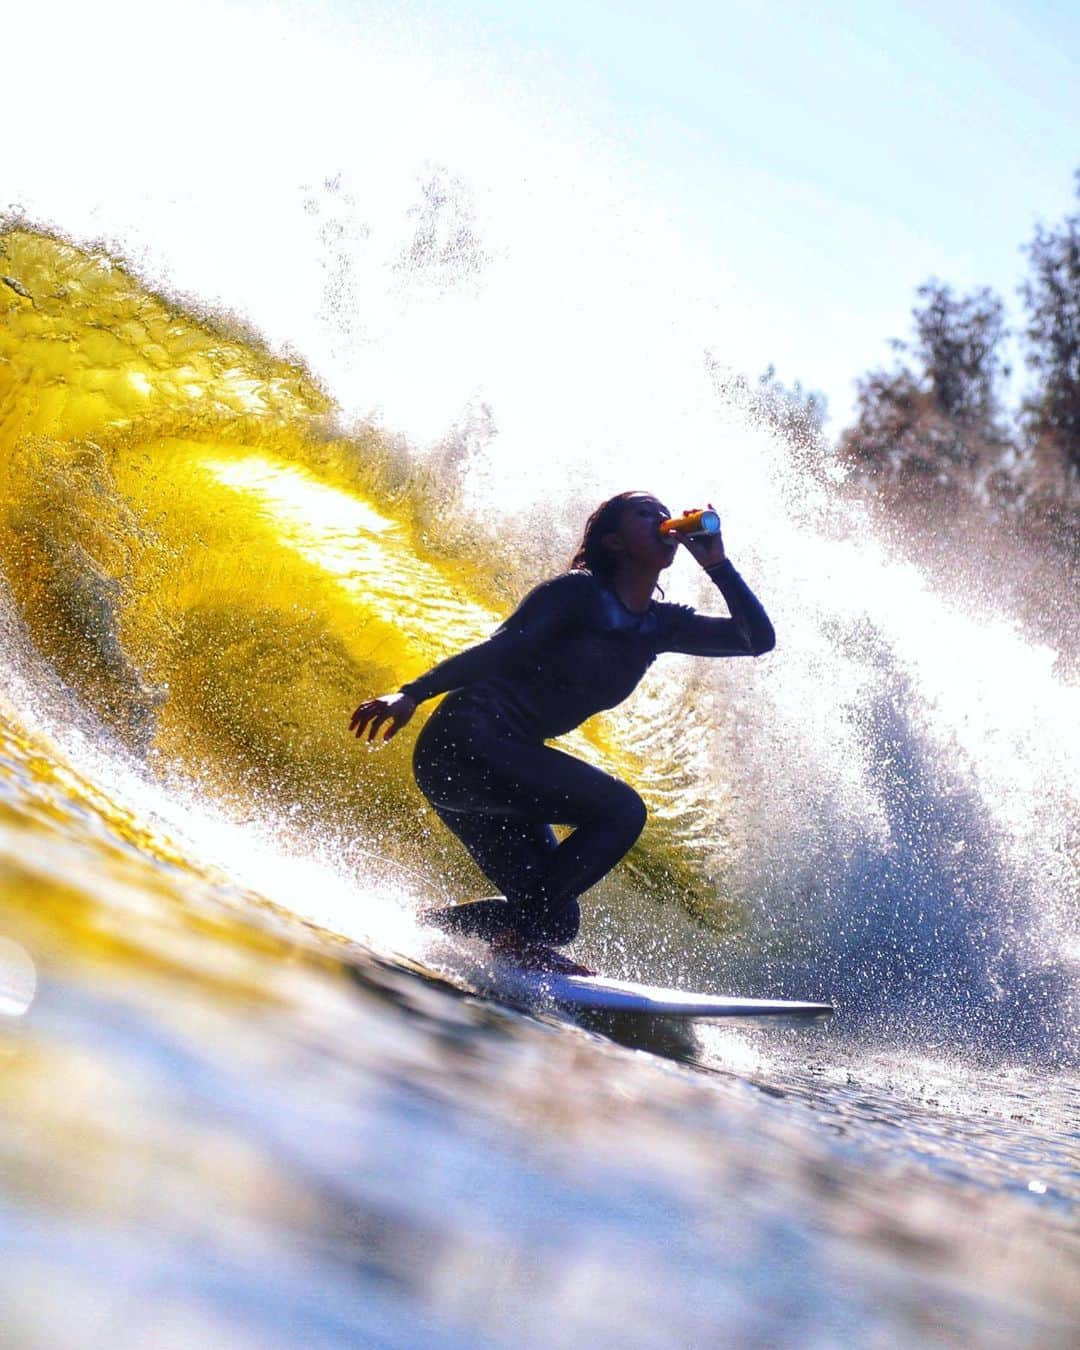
[[830, 157]]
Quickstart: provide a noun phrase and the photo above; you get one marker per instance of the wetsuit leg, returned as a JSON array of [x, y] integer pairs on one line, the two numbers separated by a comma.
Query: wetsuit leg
[[513, 855], [483, 784]]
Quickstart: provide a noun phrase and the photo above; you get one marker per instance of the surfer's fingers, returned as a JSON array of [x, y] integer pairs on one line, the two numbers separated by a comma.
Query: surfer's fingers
[[398, 718], [376, 722], [370, 723], [361, 717]]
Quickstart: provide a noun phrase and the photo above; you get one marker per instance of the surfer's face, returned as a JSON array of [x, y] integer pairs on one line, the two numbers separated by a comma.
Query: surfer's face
[[638, 535]]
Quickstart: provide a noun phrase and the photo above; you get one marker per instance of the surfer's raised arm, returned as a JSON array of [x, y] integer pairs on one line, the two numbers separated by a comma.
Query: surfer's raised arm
[[748, 632]]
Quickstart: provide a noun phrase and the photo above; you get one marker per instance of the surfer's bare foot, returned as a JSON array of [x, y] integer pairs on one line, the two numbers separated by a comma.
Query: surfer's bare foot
[[508, 946]]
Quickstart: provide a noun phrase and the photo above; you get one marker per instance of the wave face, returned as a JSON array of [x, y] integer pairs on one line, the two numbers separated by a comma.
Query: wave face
[[216, 568]]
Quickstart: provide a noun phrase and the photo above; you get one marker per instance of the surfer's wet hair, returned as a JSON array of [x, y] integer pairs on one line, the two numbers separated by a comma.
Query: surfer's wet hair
[[592, 556]]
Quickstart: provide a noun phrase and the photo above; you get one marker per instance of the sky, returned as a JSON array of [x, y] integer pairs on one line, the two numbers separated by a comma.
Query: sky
[[774, 179], [831, 157]]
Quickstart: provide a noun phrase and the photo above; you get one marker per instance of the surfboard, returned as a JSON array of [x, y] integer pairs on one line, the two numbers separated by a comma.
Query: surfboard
[[540, 981], [597, 993]]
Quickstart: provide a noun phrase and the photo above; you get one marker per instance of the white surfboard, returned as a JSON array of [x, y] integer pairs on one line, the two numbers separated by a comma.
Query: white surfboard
[[598, 994]]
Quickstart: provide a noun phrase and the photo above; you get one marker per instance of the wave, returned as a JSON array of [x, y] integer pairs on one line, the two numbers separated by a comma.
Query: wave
[[216, 569]]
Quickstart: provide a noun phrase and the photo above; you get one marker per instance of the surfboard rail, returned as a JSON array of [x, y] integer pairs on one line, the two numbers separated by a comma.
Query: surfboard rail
[[599, 993]]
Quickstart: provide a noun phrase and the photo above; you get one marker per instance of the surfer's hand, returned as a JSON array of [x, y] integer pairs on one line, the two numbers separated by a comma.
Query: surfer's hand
[[391, 711], [708, 549]]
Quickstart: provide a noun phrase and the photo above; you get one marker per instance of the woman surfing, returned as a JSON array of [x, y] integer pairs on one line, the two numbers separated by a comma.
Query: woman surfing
[[577, 644]]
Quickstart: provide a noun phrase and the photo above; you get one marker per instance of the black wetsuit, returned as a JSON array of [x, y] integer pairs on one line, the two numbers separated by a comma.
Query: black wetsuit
[[570, 649]]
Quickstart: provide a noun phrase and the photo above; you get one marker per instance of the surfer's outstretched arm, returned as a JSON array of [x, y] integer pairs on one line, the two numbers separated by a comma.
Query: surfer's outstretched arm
[[552, 607], [549, 609]]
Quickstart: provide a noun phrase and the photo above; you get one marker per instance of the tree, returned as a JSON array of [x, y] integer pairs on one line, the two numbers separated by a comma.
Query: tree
[[1052, 298], [937, 425], [957, 341]]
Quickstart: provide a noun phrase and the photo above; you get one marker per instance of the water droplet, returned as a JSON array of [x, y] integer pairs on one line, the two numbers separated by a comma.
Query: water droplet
[[18, 978]]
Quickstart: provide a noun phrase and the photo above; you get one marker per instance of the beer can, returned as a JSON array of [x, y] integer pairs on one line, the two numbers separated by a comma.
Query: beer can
[[694, 525]]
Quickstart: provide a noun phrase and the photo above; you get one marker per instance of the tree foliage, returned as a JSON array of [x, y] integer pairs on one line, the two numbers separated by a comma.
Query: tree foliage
[[957, 342], [931, 447], [935, 421], [1052, 298]]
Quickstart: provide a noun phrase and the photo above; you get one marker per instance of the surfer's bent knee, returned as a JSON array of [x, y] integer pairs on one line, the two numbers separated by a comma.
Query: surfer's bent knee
[[631, 809]]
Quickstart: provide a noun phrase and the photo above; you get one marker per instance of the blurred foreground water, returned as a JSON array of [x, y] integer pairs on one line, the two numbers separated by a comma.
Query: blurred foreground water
[[222, 1127]]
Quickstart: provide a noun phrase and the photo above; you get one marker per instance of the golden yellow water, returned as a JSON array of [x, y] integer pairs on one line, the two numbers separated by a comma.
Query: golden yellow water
[[221, 575]]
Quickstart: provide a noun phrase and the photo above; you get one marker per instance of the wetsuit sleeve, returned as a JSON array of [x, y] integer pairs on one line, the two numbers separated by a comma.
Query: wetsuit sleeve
[[553, 607], [747, 633]]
